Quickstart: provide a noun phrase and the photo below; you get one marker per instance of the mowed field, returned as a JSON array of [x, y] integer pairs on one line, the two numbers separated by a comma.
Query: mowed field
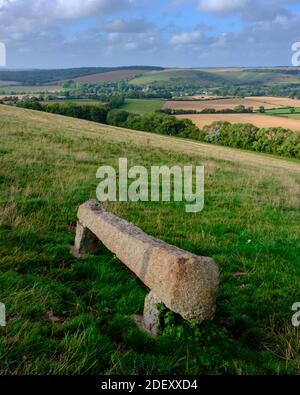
[[259, 120], [109, 76], [221, 104], [142, 106], [69, 316]]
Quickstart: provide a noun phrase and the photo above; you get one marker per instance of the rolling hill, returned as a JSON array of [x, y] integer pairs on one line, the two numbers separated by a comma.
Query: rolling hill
[[43, 76], [214, 77], [68, 316]]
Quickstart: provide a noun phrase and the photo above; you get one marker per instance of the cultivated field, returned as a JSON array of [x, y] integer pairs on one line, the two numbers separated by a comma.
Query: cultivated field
[[8, 83], [109, 76], [221, 104], [34, 89], [259, 120], [69, 316]]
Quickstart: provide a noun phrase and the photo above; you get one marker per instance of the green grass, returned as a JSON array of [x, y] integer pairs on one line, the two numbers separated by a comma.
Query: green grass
[[285, 112], [30, 89], [177, 77], [250, 224], [217, 77], [142, 106]]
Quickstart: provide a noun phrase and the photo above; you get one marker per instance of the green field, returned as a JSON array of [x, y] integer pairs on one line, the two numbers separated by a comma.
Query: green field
[[18, 90], [142, 106], [285, 112], [172, 78], [68, 316]]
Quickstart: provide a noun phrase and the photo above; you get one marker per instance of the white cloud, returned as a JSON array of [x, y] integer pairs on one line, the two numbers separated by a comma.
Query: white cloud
[[187, 38], [221, 6], [19, 18]]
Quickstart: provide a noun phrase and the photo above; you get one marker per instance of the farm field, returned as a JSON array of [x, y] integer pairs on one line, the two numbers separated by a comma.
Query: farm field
[[142, 106], [68, 316], [221, 104], [286, 113], [171, 77], [8, 83], [259, 120], [34, 89], [109, 76]]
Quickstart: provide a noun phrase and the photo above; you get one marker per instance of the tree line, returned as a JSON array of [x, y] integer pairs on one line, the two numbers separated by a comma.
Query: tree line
[[276, 141]]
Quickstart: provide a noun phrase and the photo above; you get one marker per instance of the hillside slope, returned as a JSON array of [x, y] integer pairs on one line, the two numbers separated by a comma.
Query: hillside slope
[[68, 316]]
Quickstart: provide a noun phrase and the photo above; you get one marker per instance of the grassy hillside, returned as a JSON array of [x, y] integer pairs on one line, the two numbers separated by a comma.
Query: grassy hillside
[[213, 77], [70, 316], [260, 76], [172, 78]]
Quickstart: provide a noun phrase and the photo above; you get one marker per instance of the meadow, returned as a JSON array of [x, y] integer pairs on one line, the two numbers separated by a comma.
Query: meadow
[[142, 106], [286, 112], [68, 316]]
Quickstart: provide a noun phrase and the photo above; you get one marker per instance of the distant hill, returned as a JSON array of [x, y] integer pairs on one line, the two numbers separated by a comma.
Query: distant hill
[[40, 76], [157, 76], [175, 77], [219, 76]]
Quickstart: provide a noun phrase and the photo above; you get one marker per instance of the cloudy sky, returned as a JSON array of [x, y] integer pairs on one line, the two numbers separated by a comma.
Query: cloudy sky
[[182, 33]]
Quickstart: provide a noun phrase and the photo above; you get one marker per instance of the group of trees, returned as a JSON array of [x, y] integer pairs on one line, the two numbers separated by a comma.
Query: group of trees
[[152, 122], [110, 114], [102, 90], [96, 113], [277, 141], [237, 110]]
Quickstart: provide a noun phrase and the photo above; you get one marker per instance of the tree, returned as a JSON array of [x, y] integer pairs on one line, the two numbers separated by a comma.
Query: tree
[[116, 101], [117, 117], [262, 109], [240, 108]]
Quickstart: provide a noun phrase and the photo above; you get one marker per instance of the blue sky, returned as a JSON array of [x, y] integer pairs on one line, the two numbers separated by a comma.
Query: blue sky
[[181, 33]]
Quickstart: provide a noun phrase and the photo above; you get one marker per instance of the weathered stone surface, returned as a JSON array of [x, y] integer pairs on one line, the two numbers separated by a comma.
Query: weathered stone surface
[[86, 242], [149, 321], [186, 283]]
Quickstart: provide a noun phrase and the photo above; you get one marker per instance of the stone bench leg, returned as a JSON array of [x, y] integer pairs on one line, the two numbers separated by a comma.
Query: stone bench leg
[[149, 322], [85, 242]]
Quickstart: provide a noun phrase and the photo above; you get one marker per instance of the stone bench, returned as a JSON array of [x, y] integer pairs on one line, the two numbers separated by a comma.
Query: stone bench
[[185, 283]]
